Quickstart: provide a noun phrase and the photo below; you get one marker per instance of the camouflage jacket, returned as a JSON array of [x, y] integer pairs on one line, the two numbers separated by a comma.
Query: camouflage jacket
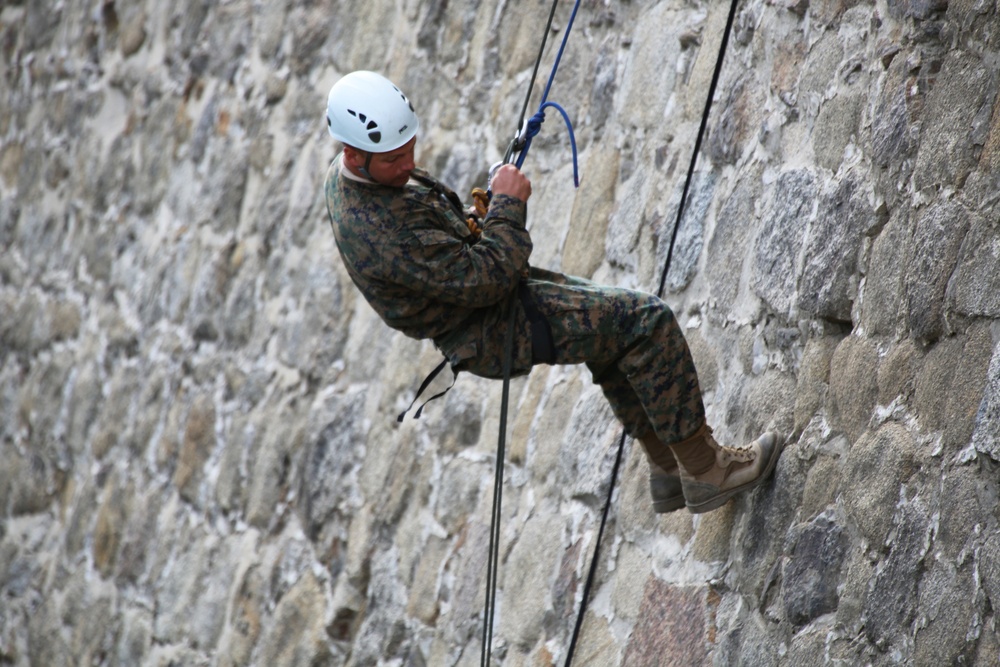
[[410, 253]]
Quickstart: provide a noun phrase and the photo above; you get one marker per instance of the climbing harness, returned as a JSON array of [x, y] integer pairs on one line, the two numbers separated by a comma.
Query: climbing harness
[[591, 575]]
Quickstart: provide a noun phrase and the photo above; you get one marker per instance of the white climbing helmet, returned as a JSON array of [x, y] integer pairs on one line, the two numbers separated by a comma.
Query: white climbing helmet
[[367, 111]]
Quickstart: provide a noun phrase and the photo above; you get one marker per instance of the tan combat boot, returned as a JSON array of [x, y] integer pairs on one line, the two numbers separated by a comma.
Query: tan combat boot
[[664, 476], [712, 474]]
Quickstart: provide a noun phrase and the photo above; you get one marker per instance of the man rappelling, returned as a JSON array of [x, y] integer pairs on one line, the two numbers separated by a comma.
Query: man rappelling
[[430, 271]]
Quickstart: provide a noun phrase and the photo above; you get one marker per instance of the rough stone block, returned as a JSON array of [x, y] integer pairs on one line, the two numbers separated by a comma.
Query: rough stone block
[[770, 510], [588, 449], [671, 629], [837, 126], [953, 383], [771, 405], [423, 602], [829, 283], [583, 251], [529, 573], [139, 536], [733, 234], [853, 385], [690, 235], [459, 492], [736, 121], [897, 372], [297, 635], [968, 386], [328, 477], [874, 469], [986, 433], [135, 638], [526, 412], [458, 425], [271, 468], [787, 67], [712, 541], [811, 573], [975, 287], [813, 378], [241, 634], [775, 268], [962, 87], [949, 615], [632, 571], [133, 31], [895, 109], [156, 145], [822, 486], [197, 445], [937, 235], [647, 78], [111, 518], [597, 645], [550, 430], [92, 623], [891, 602]]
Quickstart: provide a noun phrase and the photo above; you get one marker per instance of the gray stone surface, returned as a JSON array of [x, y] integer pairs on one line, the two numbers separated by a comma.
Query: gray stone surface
[[986, 433], [828, 287], [812, 571], [938, 233], [199, 458], [875, 468], [734, 232]]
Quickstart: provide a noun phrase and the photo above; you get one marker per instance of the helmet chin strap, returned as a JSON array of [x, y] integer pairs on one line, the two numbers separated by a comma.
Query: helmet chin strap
[[364, 170]]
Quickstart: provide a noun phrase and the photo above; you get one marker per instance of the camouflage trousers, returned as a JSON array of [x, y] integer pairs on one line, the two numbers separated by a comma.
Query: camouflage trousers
[[634, 347]]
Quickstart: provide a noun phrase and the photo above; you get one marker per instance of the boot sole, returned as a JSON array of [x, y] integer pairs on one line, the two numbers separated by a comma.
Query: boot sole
[[668, 504], [723, 497]]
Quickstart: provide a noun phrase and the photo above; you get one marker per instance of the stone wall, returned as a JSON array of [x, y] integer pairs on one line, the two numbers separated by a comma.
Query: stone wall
[[199, 458]]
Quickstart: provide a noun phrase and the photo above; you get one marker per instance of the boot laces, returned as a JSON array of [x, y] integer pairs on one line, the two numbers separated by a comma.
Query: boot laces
[[739, 454]]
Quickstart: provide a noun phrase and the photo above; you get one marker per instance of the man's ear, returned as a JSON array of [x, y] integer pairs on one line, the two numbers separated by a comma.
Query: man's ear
[[354, 157]]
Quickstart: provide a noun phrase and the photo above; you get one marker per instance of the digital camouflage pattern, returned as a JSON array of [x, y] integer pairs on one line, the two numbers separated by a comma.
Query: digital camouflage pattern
[[415, 261], [413, 258]]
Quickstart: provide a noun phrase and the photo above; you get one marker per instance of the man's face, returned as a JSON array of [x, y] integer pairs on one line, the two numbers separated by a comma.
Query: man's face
[[392, 168]]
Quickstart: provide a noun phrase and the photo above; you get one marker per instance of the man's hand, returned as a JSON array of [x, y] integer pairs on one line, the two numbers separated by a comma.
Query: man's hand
[[510, 181]]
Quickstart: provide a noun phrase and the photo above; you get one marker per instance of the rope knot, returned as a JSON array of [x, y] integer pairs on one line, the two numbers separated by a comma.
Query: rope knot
[[534, 125]]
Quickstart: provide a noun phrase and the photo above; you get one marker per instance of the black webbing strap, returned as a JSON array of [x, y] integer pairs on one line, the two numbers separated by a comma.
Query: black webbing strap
[[423, 385], [543, 350]]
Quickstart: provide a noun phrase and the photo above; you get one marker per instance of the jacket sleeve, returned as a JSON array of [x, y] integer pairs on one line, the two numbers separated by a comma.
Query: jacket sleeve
[[439, 265]]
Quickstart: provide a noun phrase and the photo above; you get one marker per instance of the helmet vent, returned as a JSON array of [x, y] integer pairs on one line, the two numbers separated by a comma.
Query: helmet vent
[[408, 102], [370, 125]]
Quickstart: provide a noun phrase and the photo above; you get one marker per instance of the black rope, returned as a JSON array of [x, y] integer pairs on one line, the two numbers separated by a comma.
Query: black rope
[[592, 573], [493, 562], [512, 147], [697, 143]]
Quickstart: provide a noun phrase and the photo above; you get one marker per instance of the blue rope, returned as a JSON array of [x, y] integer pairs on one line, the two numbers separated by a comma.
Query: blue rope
[[534, 124]]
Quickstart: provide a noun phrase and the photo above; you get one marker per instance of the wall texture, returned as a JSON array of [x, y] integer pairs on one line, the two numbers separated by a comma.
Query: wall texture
[[199, 458]]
